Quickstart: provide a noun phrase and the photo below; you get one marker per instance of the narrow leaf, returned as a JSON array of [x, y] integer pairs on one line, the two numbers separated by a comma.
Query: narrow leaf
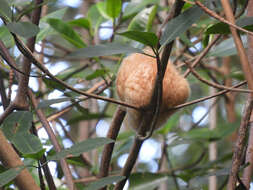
[[151, 18], [9, 175], [143, 181], [103, 182], [66, 31], [81, 147], [103, 50], [24, 29], [180, 24], [46, 103], [146, 38], [113, 8]]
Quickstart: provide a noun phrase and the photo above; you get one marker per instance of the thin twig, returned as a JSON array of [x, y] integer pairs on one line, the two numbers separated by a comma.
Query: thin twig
[[25, 51], [215, 85], [202, 55], [206, 98]]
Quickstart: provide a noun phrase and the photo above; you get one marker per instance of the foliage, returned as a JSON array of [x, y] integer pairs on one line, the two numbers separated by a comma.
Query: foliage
[[71, 44]]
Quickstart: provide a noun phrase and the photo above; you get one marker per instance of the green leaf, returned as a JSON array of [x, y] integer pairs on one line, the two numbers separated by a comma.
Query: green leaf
[[46, 30], [146, 38], [113, 8], [81, 147], [53, 84], [222, 28], [170, 124], [9, 175], [16, 123], [204, 133], [24, 29], [134, 8], [144, 181], [151, 18], [95, 74], [218, 28], [36, 155], [103, 50], [56, 14], [46, 103], [180, 24], [143, 20], [80, 22], [95, 17], [5, 10], [27, 143], [226, 48], [67, 32], [6, 37], [86, 116], [103, 182], [101, 7]]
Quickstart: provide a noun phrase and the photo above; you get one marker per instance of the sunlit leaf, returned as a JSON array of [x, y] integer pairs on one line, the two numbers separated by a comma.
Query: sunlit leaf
[[103, 50], [67, 32], [103, 182], [180, 24], [151, 18], [24, 29], [143, 20], [9, 175], [102, 9], [113, 8], [146, 38], [81, 147]]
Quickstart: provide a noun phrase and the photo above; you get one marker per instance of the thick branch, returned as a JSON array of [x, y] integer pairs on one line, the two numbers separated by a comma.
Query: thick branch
[[10, 159], [108, 149], [247, 173]]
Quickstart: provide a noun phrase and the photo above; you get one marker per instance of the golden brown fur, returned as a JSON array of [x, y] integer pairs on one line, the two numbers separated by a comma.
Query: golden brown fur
[[135, 83]]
